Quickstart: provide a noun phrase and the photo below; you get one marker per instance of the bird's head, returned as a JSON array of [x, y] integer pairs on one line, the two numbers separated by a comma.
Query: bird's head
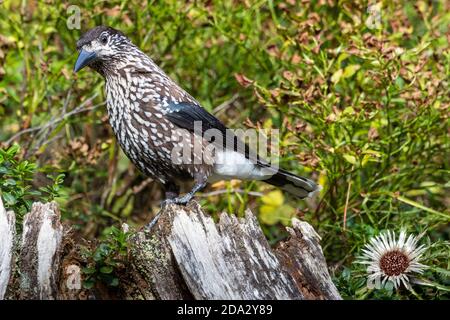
[[101, 47]]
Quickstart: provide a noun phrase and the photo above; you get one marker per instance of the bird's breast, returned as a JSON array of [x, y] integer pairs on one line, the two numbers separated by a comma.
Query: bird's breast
[[142, 130]]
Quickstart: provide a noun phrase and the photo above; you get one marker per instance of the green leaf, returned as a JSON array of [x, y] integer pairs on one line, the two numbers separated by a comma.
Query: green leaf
[[271, 215], [12, 151], [114, 282], [106, 269], [88, 284], [274, 198], [10, 182], [267, 215], [337, 76], [351, 159], [350, 70], [349, 111], [9, 199], [88, 270]]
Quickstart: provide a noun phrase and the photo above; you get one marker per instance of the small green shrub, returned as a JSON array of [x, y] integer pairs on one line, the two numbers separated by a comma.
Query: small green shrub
[[16, 183], [105, 261]]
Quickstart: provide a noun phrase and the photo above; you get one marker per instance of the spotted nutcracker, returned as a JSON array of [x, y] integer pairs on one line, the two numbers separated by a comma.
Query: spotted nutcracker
[[151, 115]]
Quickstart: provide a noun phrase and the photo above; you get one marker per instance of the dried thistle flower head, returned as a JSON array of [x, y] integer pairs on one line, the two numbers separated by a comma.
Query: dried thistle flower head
[[389, 259]]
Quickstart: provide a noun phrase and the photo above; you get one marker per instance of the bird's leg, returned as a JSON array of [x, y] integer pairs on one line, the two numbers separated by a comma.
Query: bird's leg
[[172, 191], [200, 179]]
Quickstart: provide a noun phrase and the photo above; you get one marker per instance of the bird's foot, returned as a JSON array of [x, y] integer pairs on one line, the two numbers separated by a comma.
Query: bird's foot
[[166, 202], [183, 200], [178, 200]]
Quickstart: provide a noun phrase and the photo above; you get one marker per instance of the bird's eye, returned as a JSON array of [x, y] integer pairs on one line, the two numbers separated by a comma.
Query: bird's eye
[[104, 39]]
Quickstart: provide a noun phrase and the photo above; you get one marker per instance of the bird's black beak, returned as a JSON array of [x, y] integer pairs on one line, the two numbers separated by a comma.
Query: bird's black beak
[[84, 58]]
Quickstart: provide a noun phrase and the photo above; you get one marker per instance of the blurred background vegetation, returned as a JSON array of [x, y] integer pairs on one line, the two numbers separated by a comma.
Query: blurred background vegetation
[[362, 105]]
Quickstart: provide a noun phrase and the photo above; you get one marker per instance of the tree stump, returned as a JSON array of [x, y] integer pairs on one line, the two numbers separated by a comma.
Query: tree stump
[[185, 255]]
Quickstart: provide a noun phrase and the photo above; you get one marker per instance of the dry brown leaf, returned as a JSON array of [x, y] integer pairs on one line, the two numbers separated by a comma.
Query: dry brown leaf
[[243, 80]]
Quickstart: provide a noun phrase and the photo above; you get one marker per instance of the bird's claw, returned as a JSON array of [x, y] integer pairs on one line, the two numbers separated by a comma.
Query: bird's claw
[[166, 202], [183, 200], [178, 200]]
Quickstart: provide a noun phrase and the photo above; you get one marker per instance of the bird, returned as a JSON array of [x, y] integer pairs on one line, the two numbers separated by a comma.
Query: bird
[[156, 123]]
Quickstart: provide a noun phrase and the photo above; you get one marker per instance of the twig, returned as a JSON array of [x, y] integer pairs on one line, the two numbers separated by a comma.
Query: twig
[[49, 125], [142, 185], [50, 128], [223, 106], [79, 109], [346, 203], [18, 134], [218, 192]]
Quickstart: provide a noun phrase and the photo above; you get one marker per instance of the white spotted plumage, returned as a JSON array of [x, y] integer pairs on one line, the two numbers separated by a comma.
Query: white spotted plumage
[[147, 110]]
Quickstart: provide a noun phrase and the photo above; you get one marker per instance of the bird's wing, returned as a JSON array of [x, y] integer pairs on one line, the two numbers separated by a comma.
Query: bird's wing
[[185, 114]]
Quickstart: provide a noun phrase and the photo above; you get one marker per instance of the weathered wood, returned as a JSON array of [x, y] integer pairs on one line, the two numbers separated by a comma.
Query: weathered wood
[[7, 239], [153, 267], [302, 255], [185, 255], [229, 261], [232, 259], [40, 252]]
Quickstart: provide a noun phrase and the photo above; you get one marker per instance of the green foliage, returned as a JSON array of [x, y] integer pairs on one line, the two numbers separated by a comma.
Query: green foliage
[[362, 109], [15, 180], [16, 177], [369, 111], [273, 209], [105, 261]]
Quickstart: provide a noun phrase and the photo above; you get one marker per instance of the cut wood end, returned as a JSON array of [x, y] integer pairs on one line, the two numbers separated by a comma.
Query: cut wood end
[[305, 229]]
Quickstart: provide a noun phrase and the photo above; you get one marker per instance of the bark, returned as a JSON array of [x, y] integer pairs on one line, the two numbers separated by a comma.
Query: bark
[[7, 236]]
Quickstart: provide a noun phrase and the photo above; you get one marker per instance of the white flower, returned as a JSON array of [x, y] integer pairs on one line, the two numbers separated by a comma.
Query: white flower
[[388, 259]]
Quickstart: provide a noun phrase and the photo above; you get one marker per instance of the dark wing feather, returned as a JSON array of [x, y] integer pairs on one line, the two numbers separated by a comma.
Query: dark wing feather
[[184, 115]]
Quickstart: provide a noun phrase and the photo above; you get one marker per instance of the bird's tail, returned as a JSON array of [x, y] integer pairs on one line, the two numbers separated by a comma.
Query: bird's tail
[[298, 186]]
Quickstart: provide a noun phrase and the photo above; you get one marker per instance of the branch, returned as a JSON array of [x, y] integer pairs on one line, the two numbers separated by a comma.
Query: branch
[[63, 116]]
